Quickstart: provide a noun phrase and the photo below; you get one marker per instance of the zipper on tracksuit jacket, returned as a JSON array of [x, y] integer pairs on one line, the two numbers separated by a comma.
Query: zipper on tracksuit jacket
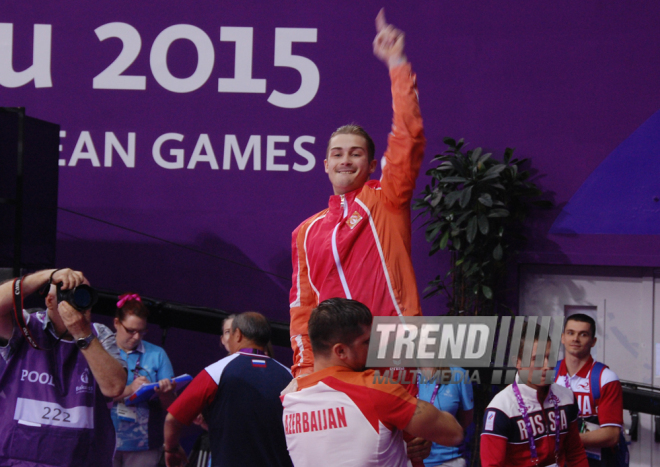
[[335, 251]]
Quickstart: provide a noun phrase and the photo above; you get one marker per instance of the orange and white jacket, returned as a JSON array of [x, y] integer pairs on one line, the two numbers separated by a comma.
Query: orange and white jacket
[[359, 247]]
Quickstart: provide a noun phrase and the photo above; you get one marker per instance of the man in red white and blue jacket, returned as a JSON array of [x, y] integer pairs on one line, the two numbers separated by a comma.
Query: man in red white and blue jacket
[[598, 392], [239, 398]]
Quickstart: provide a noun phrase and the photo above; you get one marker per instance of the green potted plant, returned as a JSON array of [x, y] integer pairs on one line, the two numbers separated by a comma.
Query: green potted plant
[[475, 207]]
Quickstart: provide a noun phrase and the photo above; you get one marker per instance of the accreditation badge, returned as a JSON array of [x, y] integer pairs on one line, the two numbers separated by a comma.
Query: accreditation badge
[[126, 413]]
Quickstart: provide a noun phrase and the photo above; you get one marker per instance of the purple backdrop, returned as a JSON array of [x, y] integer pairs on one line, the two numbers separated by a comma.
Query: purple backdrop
[[564, 83]]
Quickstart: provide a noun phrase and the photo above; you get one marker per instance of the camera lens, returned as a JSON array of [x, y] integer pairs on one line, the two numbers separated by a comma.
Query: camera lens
[[82, 298]]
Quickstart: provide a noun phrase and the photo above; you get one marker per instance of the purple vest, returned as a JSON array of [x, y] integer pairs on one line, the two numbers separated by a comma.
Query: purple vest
[[53, 412]]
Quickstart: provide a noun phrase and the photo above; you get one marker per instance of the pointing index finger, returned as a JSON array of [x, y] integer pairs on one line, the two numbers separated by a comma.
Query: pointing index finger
[[381, 22]]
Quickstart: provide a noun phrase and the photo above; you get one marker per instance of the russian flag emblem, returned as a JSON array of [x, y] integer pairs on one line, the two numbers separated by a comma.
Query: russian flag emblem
[[258, 363]]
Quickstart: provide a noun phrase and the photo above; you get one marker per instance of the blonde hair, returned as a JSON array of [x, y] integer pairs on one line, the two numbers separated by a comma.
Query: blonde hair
[[354, 129]]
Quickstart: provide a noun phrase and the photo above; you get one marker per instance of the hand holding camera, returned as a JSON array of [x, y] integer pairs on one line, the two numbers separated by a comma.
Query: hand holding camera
[[71, 288], [74, 298], [67, 278], [82, 297]]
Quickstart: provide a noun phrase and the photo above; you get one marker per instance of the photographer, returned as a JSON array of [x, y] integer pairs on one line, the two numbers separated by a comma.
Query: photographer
[[57, 373]]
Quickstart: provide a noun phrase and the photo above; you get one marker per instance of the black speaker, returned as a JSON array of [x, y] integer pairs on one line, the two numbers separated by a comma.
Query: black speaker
[[29, 154]]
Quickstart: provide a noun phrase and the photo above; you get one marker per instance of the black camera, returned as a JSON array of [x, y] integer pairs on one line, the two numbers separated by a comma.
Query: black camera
[[82, 298]]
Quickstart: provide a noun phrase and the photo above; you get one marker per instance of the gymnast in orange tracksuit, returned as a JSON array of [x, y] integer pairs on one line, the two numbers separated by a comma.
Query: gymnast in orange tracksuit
[[359, 247]]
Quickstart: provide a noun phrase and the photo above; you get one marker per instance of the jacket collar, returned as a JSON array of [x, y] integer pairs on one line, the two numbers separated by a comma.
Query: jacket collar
[[313, 378], [586, 368], [335, 200]]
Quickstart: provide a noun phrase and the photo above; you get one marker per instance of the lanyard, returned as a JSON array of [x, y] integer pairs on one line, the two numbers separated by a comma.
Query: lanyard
[[136, 370], [528, 423], [435, 392], [568, 385]]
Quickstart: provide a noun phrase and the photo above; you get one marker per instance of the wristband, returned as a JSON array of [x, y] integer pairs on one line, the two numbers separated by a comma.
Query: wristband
[[172, 451]]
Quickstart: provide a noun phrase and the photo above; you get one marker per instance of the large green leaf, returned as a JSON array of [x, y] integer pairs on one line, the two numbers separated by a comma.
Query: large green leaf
[[472, 229], [464, 216], [514, 170], [466, 193], [451, 198], [475, 155], [493, 172], [483, 224], [437, 197], [486, 199], [508, 152], [498, 213], [444, 240], [488, 293], [432, 232], [483, 159], [497, 252]]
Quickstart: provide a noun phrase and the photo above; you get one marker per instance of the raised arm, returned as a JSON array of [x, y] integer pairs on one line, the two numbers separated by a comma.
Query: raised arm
[[389, 43], [31, 284], [406, 142]]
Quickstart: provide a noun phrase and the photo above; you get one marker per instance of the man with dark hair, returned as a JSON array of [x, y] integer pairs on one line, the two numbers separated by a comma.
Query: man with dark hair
[[340, 415], [532, 423], [598, 391], [359, 247], [337, 320], [239, 398], [58, 371]]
